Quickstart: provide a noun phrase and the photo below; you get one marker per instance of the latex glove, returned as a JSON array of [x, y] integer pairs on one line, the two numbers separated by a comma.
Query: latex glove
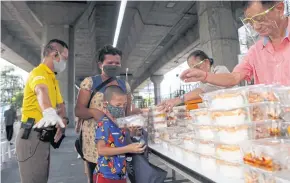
[[50, 118]]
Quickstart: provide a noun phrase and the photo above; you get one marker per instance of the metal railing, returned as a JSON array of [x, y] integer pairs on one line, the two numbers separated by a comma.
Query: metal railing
[[8, 150]]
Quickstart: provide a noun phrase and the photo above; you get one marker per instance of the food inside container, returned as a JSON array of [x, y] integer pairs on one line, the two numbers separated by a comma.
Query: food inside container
[[283, 94], [201, 116], [190, 156], [189, 143], [282, 177], [205, 132], [231, 170], [208, 163], [206, 147], [267, 154], [159, 117], [261, 93], [267, 129], [165, 144], [230, 117], [233, 135], [131, 121], [160, 125], [255, 175], [226, 99], [264, 111], [231, 153], [177, 150]]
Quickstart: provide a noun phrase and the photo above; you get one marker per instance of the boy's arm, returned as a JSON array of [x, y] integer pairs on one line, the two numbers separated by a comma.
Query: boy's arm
[[103, 150], [102, 134]]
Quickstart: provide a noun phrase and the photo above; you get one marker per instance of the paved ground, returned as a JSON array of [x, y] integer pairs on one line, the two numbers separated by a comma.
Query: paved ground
[[65, 167]]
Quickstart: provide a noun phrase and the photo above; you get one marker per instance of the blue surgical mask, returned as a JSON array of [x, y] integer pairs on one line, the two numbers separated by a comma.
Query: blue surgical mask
[[59, 66], [116, 112]]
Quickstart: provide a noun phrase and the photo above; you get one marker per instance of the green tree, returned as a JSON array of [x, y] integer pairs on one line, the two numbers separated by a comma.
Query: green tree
[[11, 87]]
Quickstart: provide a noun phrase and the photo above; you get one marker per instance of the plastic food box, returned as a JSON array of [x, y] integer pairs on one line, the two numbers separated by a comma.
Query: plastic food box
[[205, 132], [229, 169], [208, 163], [283, 94], [234, 134], [201, 116], [229, 153], [267, 154], [268, 129], [265, 111], [226, 99], [190, 156], [205, 147], [131, 121], [255, 175], [231, 117], [261, 93]]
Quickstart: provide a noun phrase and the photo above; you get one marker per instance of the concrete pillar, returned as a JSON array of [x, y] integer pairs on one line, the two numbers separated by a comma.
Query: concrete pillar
[[67, 77], [218, 33], [157, 79], [71, 77], [43, 40]]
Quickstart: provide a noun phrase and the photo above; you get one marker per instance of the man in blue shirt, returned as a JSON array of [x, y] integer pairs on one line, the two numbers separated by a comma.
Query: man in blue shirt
[[110, 139]]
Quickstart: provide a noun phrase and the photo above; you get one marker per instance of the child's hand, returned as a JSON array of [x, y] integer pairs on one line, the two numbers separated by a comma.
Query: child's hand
[[136, 148]]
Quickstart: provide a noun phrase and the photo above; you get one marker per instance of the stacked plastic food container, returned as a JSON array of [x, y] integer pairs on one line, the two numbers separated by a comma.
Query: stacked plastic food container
[[233, 135]]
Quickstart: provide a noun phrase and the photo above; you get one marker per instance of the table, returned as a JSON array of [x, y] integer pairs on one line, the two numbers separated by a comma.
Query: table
[[193, 171]]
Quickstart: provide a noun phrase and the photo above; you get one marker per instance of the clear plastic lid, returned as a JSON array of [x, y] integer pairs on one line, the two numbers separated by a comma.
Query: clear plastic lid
[[283, 94], [231, 117], [257, 175], [131, 121], [226, 99], [267, 129], [201, 116], [267, 154], [234, 134], [265, 111], [261, 93]]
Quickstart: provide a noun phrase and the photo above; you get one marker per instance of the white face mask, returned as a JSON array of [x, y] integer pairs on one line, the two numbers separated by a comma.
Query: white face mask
[[59, 66]]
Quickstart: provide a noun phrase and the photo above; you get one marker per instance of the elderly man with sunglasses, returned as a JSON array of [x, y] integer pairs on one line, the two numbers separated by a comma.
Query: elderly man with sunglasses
[[268, 60]]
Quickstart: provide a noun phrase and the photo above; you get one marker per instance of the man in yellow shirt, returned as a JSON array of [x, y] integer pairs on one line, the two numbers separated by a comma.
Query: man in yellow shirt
[[40, 116]]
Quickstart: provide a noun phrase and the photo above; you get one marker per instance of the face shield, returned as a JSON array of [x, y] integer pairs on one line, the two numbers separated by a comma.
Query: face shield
[[259, 25]]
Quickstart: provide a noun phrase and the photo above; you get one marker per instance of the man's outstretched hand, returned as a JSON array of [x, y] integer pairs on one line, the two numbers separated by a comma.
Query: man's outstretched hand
[[193, 75], [50, 118]]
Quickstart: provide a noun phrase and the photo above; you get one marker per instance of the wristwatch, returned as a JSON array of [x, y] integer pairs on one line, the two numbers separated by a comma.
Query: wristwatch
[[67, 120]]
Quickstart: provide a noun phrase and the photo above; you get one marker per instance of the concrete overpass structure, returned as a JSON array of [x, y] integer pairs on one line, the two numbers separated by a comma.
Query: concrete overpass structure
[[155, 36]]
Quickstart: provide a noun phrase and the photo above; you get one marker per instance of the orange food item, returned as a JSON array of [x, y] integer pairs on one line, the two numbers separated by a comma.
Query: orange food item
[[262, 162], [233, 129], [228, 113], [229, 147], [228, 95]]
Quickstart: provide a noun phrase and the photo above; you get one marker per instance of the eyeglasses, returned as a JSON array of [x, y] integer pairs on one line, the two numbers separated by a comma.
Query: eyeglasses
[[197, 66], [258, 18]]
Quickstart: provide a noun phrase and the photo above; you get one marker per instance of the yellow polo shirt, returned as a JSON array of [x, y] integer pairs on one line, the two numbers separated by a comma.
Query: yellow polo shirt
[[39, 75]]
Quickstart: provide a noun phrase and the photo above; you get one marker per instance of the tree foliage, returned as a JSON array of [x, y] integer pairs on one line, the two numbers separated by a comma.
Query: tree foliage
[[11, 87]]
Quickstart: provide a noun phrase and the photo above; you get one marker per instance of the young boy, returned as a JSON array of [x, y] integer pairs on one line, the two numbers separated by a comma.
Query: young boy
[[110, 139]]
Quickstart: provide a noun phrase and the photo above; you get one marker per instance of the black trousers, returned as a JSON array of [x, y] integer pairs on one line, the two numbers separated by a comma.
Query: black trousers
[[9, 132], [91, 169]]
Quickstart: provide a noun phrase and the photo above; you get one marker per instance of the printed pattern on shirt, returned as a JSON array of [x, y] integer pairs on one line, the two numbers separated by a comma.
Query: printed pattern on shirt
[[111, 167]]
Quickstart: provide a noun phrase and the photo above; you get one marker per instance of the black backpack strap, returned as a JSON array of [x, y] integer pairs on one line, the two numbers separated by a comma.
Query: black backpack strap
[[98, 88]]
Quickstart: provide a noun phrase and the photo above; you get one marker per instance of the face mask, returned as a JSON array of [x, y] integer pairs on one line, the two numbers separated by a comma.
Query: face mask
[[112, 70], [116, 112], [59, 66]]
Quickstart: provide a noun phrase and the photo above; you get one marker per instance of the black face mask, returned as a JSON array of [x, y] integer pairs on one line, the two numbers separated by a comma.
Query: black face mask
[[112, 70]]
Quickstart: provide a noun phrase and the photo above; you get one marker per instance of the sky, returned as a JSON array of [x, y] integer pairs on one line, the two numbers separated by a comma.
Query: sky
[[18, 71]]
